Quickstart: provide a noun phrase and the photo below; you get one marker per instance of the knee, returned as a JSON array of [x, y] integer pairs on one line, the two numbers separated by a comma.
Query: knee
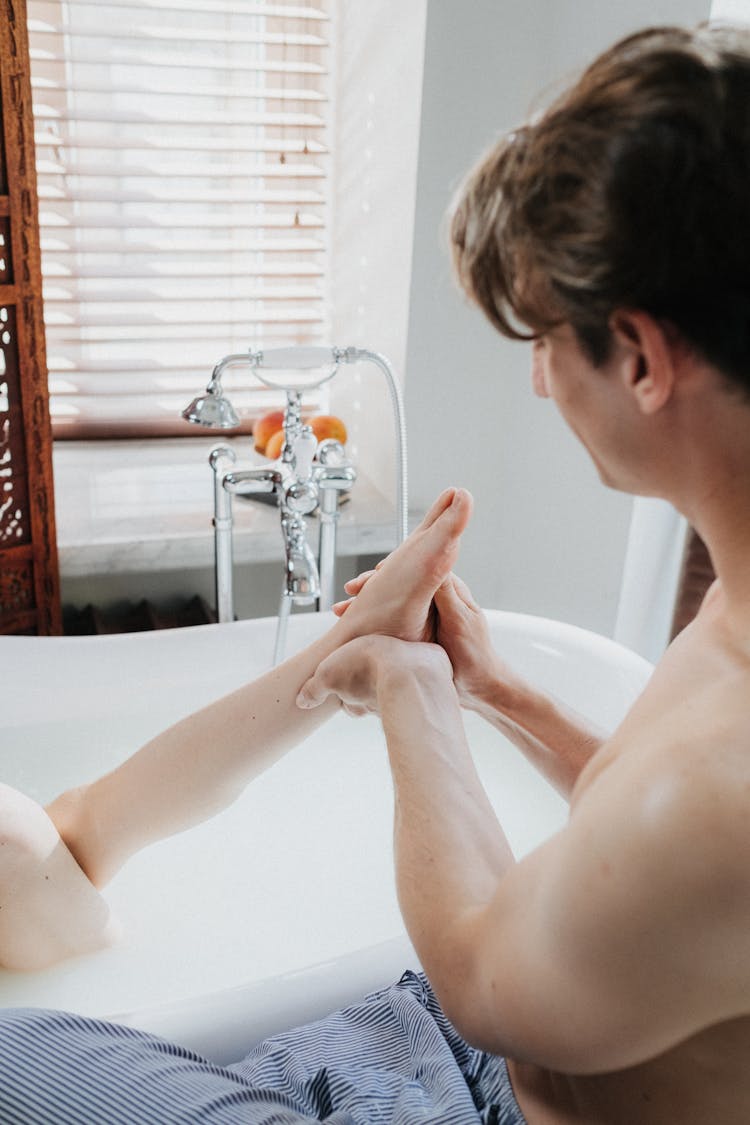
[[26, 832], [50, 910]]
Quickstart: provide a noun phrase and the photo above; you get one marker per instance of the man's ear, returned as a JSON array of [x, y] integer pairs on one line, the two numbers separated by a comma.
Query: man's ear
[[646, 353]]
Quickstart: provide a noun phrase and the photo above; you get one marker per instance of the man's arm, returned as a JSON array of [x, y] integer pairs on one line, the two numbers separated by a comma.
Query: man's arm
[[558, 741], [443, 818], [619, 938], [609, 944]]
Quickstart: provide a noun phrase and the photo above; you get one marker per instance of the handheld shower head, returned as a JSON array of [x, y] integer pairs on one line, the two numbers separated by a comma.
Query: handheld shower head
[[213, 410]]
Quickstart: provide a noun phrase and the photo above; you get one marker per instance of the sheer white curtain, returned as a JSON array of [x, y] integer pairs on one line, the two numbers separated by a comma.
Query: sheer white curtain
[[182, 163]]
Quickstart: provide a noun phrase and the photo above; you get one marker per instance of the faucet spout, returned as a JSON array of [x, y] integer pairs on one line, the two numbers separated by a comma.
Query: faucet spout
[[301, 578]]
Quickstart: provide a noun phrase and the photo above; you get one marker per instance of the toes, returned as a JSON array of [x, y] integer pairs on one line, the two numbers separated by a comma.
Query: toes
[[454, 517], [438, 507]]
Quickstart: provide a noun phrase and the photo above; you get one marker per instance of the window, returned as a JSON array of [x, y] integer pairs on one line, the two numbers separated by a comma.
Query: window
[[182, 167]]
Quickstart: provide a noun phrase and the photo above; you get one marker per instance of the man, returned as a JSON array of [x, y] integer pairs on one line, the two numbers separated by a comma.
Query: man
[[611, 967]]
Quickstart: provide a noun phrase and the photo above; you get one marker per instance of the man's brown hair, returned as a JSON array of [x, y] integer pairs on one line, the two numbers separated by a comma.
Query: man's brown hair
[[631, 191]]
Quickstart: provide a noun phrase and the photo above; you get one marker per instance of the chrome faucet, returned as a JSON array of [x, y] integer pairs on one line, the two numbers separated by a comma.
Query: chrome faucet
[[302, 581], [307, 476]]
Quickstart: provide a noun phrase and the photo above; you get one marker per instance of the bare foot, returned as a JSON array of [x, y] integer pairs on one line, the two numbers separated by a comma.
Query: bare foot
[[396, 598]]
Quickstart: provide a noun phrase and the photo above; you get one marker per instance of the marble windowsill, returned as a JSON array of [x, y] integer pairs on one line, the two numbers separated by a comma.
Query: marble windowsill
[[148, 505]]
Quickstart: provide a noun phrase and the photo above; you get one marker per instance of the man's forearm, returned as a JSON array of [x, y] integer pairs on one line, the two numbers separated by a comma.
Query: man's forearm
[[450, 850], [557, 740]]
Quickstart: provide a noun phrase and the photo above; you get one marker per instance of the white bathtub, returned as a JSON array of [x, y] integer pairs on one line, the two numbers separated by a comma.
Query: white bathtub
[[283, 907]]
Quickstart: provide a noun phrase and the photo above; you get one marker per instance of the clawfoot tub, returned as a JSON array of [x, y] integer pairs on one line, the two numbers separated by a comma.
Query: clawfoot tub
[[283, 907]]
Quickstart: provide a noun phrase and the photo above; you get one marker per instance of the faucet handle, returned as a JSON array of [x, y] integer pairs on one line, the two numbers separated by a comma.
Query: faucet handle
[[304, 447], [301, 497], [331, 452]]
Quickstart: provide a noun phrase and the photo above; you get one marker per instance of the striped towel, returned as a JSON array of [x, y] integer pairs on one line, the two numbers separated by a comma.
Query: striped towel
[[394, 1058]]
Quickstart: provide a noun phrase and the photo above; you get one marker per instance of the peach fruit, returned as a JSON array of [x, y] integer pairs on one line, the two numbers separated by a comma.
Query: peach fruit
[[328, 426], [274, 444], [267, 425]]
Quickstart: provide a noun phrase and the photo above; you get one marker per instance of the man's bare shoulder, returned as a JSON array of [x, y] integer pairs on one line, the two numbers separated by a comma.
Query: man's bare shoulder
[[675, 777], [688, 734]]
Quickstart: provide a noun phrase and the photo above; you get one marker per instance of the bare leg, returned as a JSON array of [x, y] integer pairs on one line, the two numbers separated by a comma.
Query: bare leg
[[200, 765]]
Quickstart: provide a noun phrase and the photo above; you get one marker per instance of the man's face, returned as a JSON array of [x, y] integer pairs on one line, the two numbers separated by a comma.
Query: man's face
[[591, 399]]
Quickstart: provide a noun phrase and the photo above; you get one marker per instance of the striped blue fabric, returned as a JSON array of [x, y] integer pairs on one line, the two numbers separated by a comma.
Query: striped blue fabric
[[393, 1059]]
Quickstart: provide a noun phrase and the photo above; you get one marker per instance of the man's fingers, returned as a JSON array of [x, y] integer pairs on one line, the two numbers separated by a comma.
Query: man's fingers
[[446, 595], [345, 674], [354, 585], [454, 596], [356, 710], [464, 592], [313, 692], [340, 608]]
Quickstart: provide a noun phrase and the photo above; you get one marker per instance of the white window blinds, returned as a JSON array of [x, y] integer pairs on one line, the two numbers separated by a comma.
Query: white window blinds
[[181, 153]]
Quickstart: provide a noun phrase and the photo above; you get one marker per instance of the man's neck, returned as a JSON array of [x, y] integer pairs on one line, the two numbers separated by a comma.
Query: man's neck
[[705, 473], [723, 523]]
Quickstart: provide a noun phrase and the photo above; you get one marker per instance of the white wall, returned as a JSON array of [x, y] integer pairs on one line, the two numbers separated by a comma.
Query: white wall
[[424, 87], [734, 11], [379, 55], [547, 537]]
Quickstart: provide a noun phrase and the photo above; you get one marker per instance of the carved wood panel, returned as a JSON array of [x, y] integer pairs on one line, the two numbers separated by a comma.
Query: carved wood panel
[[29, 580]]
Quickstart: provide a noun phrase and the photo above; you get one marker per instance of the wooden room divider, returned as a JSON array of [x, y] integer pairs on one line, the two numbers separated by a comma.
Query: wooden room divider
[[29, 579]]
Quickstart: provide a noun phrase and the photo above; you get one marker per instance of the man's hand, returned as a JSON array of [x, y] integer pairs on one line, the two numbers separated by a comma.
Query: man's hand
[[455, 622], [462, 630], [396, 598], [362, 671]]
